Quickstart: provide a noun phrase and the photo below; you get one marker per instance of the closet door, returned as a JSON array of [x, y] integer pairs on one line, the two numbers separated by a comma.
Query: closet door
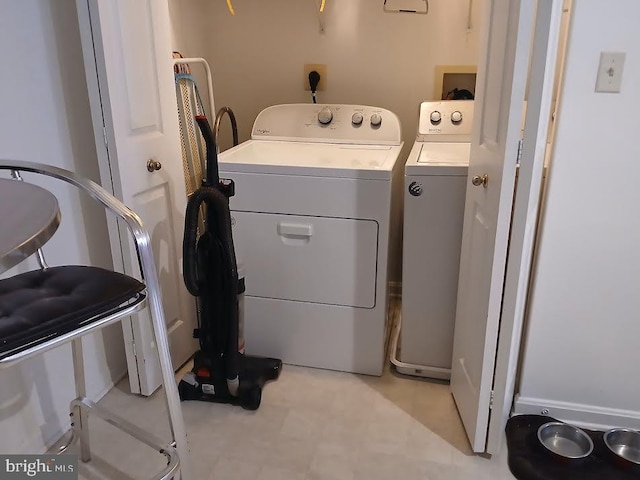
[[505, 64], [128, 62]]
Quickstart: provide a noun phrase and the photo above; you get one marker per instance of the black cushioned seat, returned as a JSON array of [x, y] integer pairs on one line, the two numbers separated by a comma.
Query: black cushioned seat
[[41, 304]]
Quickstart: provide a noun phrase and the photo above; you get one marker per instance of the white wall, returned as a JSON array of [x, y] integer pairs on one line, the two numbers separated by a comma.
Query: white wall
[[372, 57], [190, 35], [45, 118], [581, 356]]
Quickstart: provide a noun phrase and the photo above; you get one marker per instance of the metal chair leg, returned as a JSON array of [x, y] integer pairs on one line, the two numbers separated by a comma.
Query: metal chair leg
[[174, 408], [162, 342], [80, 418]]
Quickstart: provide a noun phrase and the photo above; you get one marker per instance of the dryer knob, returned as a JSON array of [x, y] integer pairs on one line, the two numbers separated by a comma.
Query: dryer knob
[[376, 120], [435, 117], [415, 189], [456, 117], [325, 116], [357, 118]]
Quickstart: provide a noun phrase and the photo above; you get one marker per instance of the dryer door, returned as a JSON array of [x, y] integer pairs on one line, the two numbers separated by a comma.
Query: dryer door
[[308, 259]]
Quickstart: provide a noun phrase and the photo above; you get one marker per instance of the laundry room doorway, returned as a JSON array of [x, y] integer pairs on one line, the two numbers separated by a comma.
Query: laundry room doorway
[[127, 52]]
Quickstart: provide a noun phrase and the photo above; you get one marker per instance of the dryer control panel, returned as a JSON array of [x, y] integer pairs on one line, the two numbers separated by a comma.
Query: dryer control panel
[[308, 122], [445, 121]]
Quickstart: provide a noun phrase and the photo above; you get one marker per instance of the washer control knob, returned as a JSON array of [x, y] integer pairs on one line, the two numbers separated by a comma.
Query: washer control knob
[[415, 189], [376, 120], [325, 116], [357, 118], [435, 117], [456, 117]]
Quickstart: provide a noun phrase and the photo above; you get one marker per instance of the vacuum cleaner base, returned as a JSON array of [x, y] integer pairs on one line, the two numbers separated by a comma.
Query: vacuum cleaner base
[[206, 382]]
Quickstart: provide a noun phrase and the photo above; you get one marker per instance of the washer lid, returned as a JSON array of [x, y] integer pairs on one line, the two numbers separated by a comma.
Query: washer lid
[[445, 154], [433, 158], [311, 159]]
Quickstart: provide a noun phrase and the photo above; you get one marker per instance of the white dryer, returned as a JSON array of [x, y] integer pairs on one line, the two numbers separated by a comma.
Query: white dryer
[[435, 186], [311, 220]]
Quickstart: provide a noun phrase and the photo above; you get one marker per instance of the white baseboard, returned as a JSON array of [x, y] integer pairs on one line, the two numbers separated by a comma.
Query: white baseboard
[[586, 416]]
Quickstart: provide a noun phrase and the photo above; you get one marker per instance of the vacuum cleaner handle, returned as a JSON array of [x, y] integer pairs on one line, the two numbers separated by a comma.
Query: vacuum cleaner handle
[[213, 176]]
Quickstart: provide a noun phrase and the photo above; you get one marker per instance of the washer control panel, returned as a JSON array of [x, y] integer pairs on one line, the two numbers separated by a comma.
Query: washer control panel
[[358, 124], [445, 121], [325, 117]]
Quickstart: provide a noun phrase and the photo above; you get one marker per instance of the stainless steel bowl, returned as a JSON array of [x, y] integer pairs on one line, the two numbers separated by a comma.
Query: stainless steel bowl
[[624, 443], [565, 441]]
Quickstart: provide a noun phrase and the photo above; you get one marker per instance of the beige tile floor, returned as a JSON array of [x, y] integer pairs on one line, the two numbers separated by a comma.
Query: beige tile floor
[[312, 425]]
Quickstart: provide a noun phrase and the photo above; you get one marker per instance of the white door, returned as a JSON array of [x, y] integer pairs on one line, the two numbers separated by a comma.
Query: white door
[[540, 95], [502, 74], [127, 52]]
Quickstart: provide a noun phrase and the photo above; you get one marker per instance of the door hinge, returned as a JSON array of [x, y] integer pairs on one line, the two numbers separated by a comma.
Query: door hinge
[[104, 136], [491, 400], [519, 158]]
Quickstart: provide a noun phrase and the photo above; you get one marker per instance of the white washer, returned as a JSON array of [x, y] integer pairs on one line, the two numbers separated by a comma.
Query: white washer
[[311, 220], [435, 186]]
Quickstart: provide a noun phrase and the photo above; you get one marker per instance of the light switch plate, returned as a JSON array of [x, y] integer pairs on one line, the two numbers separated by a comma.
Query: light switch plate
[[610, 72]]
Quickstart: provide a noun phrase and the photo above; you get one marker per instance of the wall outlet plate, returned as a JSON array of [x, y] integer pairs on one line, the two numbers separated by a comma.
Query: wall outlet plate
[[321, 68], [610, 71]]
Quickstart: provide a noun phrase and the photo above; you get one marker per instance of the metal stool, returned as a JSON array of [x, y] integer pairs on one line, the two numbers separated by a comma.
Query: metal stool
[[88, 299]]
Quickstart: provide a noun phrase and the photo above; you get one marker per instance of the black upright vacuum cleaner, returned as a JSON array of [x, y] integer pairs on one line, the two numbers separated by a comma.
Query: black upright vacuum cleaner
[[221, 371]]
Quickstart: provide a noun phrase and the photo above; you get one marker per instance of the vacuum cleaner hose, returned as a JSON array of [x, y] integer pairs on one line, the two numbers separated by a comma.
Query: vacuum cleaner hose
[[219, 224], [189, 243], [213, 176]]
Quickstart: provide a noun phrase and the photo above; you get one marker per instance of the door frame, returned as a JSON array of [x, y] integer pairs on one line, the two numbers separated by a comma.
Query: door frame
[[525, 212], [104, 135], [140, 349]]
